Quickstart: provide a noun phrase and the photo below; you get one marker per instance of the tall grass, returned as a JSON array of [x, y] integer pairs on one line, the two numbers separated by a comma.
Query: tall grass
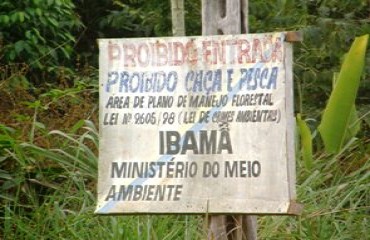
[[56, 198], [335, 188], [336, 198]]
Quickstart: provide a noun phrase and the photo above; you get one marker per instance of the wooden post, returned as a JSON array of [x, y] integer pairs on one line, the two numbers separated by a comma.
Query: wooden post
[[228, 17], [178, 20]]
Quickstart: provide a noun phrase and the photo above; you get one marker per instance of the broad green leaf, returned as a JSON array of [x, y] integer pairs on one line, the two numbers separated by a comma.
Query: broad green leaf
[[38, 11], [28, 34], [50, 2], [306, 142], [12, 55], [4, 19], [18, 46], [337, 114], [14, 17], [21, 17], [36, 2], [354, 124], [58, 2]]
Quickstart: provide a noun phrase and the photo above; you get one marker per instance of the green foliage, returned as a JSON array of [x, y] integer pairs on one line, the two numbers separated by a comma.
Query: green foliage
[[73, 154], [47, 178], [130, 18], [50, 193], [306, 143], [335, 197], [142, 18], [328, 27], [336, 121], [145, 18], [32, 175], [37, 33]]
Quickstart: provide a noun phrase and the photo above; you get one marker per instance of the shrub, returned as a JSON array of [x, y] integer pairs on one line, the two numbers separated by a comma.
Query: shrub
[[38, 33]]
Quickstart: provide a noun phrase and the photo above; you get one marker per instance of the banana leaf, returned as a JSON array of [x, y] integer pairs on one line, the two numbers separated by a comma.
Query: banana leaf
[[306, 143], [339, 111]]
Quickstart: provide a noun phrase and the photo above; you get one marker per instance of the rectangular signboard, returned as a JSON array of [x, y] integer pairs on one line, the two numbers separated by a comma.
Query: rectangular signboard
[[196, 125]]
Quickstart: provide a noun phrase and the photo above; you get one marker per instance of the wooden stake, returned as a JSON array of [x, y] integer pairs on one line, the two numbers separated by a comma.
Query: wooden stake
[[178, 20], [228, 17]]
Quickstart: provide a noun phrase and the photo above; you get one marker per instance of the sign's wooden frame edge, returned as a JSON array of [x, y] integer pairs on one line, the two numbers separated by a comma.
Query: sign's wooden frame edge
[[294, 208]]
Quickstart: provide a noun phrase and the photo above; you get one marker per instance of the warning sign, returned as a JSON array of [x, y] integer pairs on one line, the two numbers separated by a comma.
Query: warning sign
[[196, 125]]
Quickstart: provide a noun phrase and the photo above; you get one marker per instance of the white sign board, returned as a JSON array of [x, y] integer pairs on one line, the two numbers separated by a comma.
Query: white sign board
[[196, 125]]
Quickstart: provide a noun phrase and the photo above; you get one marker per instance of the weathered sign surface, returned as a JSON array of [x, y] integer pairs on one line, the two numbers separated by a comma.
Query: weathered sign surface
[[196, 125]]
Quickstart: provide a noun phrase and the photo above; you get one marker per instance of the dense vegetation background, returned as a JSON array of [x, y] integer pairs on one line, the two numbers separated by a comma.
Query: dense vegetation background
[[49, 108]]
